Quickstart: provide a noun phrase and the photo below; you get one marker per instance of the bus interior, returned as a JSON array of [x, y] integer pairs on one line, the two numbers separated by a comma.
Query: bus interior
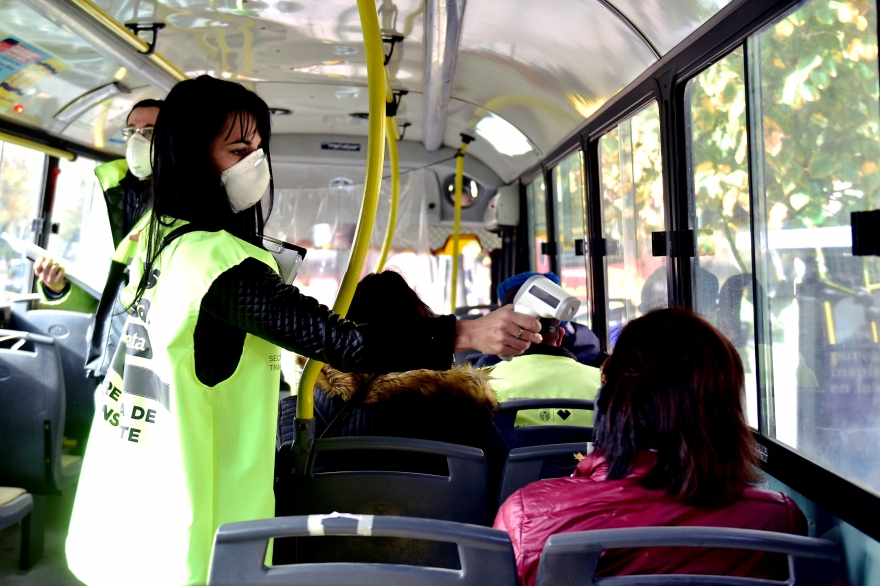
[[718, 155]]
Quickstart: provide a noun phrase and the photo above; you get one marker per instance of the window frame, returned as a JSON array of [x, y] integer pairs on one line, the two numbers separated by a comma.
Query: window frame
[[666, 81]]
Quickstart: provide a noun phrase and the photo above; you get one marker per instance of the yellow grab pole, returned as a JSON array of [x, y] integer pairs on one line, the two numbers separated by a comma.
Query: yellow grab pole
[[375, 57], [391, 124], [456, 230]]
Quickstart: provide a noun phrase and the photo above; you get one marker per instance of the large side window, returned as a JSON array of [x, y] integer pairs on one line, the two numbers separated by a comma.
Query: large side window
[[536, 198], [632, 208], [83, 238], [818, 149], [571, 221], [21, 181], [719, 184]]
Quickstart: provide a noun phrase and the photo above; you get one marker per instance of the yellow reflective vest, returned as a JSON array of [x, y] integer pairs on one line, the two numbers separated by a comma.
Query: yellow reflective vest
[[170, 459], [543, 376]]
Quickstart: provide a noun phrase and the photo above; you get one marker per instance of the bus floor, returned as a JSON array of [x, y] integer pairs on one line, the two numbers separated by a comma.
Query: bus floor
[[51, 570]]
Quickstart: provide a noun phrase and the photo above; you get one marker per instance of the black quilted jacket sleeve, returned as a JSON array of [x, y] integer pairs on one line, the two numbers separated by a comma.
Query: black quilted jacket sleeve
[[251, 297]]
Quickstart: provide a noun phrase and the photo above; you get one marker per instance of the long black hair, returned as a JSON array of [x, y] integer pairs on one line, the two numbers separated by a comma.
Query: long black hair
[[185, 183]]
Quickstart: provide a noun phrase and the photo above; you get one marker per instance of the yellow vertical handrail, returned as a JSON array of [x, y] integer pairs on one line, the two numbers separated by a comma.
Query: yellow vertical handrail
[[391, 124], [375, 57], [456, 230]]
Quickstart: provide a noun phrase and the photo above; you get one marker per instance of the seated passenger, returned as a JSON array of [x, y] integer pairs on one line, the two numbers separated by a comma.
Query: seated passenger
[[672, 448], [453, 406], [583, 343], [544, 371]]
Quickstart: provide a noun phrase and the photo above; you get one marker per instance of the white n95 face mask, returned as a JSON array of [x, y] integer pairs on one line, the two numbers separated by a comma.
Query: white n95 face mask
[[246, 181], [137, 153]]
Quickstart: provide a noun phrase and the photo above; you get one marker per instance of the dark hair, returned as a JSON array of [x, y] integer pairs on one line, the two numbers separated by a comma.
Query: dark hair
[[379, 296], [148, 103], [185, 183], [675, 385]]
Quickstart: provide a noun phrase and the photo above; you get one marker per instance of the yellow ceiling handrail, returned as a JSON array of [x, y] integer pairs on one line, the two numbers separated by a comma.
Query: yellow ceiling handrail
[[375, 58], [37, 146], [129, 37]]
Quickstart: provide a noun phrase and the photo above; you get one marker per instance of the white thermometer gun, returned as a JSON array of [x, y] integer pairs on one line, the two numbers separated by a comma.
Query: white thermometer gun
[[542, 298]]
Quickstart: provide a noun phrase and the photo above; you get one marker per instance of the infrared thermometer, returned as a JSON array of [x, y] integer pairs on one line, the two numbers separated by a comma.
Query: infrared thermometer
[[542, 298]]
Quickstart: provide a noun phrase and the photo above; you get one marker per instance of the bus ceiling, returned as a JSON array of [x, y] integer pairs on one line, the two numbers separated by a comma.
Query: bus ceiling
[[518, 75]]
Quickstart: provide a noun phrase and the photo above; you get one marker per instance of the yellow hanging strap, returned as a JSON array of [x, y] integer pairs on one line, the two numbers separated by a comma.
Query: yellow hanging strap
[[375, 162], [456, 230]]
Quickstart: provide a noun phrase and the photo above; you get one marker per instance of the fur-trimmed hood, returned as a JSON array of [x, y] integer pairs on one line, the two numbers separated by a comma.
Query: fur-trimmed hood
[[460, 381]]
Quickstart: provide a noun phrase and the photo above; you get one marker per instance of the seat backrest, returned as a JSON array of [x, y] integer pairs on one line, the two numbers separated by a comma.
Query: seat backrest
[[527, 465], [539, 435], [572, 558], [356, 486], [486, 554], [32, 406], [70, 329]]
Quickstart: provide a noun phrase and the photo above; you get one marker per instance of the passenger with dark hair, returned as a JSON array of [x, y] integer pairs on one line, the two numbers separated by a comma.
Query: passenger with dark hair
[[453, 406], [187, 420], [671, 448], [544, 371]]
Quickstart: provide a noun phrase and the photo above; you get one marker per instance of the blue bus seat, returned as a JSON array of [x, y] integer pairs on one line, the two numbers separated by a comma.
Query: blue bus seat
[[240, 548], [571, 558], [70, 329], [16, 505], [32, 411], [365, 478], [527, 465], [539, 435]]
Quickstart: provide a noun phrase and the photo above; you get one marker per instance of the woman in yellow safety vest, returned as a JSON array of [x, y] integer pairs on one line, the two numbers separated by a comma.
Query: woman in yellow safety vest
[[184, 434]]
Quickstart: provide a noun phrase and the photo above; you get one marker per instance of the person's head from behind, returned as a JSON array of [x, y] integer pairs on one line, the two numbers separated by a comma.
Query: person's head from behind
[[138, 132], [675, 385], [211, 163], [386, 295], [552, 330]]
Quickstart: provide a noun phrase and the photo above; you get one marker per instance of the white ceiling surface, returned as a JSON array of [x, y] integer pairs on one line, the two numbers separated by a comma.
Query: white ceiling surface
[[541, 66]]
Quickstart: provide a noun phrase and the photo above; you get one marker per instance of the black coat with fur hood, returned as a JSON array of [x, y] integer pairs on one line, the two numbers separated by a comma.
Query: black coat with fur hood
[[453, 406]]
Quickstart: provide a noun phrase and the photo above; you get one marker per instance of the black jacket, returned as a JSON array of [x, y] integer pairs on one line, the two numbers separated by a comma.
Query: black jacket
[[251, 298], [452, 406]]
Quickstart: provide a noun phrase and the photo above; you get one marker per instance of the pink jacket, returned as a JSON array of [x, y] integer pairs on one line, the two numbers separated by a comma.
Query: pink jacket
[[588, 501]]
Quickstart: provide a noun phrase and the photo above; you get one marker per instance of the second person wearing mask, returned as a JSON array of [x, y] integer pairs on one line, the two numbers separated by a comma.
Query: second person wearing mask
[[126, 187]]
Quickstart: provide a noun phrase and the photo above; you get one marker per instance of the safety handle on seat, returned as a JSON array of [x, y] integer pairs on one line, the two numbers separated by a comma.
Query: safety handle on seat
[[569, 555], [240, 550]]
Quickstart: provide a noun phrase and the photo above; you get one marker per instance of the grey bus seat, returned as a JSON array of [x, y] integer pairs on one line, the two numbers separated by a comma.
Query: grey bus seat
[[16, 505], [32, 409], [571, 558], [539, 435], [70, 329], [361, 487], [527, 465], [240, 548]]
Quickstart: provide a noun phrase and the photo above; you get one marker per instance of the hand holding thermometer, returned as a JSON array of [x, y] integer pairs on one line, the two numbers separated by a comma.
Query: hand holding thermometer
[[542, 298]]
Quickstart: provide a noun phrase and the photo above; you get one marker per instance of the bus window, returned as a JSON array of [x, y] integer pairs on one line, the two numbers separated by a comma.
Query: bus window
[[21, 182], [83, 236], [632, 208], [571, 220], [718, 151], [816, 108], [536, 197]]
